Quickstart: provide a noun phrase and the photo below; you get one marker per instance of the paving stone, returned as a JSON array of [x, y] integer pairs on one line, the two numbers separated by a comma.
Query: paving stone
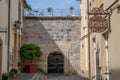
[[63, 77], [24, 76]]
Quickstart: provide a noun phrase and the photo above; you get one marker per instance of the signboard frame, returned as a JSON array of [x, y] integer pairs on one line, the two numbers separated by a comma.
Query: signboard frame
[[99, 20]]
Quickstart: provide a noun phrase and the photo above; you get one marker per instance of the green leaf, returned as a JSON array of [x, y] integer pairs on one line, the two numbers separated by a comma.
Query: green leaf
[[30, 51]]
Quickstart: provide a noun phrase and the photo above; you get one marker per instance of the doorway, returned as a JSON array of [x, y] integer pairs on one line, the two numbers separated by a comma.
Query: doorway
[[55, 63]]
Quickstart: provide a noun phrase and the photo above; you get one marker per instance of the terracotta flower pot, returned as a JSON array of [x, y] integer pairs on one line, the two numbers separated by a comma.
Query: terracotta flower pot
[[30, 69]]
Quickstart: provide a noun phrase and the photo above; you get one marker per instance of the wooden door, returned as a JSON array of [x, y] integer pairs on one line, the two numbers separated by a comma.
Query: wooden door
[[55, 63]]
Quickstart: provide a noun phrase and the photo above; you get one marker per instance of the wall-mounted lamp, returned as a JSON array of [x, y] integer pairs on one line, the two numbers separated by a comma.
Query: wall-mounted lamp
[[17, 24]]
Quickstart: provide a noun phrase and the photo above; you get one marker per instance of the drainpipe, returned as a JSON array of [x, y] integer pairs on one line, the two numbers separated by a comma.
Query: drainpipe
[[107, 59], [89, 42], [8, 48]]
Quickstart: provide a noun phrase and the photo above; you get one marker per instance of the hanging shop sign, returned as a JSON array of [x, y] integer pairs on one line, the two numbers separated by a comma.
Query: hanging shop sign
[[99, 20]]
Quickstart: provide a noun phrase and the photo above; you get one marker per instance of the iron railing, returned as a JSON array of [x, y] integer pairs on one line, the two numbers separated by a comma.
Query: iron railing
[[54, 12]]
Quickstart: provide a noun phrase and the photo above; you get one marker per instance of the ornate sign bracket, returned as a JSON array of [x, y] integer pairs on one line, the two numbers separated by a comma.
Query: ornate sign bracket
[[99, 20]]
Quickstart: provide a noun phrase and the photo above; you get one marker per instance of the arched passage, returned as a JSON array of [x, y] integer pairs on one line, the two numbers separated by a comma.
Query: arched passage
[[55, 63]]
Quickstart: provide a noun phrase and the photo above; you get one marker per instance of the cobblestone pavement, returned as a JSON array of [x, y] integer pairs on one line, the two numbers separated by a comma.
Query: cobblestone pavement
[[24, 76], [62, 77]]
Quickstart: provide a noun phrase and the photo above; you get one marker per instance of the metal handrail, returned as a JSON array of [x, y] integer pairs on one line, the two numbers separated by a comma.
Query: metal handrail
[[54, 12]]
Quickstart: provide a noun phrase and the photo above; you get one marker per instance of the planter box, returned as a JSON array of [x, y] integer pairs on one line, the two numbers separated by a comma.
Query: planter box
[[30, 69]]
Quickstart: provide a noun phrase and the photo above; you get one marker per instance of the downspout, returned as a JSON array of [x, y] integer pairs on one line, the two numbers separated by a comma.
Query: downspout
[[107, 59], [8, 48], [89, 58]]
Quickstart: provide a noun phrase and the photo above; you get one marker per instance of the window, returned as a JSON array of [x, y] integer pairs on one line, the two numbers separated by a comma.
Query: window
[[118, 9], [11, 59], [90, 4], [19, 11]]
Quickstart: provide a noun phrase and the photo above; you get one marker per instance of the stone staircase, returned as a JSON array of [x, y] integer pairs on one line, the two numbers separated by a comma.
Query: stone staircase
[[38, 76]]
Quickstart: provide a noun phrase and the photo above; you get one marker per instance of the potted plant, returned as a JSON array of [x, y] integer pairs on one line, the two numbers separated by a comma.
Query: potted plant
[[71, 10], [50, 11], [13, 73], [29, 52], [5, 76], [19, 65]]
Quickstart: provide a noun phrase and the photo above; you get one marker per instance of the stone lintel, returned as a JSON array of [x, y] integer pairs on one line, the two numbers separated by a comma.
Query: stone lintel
[[52, 18]]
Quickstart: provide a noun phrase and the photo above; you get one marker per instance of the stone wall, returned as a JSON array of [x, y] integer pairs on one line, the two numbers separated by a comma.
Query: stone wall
[[55, 34]]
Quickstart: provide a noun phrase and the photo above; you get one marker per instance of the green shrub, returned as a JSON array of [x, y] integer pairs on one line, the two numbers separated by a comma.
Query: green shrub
[[5, 76], [11, 74], [14, 70], [30, 51], [19, 64]]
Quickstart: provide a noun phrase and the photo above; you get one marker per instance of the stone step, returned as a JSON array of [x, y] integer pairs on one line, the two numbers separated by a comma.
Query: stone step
[[38, 76]]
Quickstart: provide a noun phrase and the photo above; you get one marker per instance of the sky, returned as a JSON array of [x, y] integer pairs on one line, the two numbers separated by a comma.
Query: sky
[[55, 4]]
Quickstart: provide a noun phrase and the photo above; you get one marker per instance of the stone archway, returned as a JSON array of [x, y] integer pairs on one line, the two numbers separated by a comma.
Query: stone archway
[[56, 62]]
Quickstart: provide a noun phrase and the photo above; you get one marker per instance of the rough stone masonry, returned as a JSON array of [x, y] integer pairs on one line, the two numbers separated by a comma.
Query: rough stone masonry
[[60, 34]]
